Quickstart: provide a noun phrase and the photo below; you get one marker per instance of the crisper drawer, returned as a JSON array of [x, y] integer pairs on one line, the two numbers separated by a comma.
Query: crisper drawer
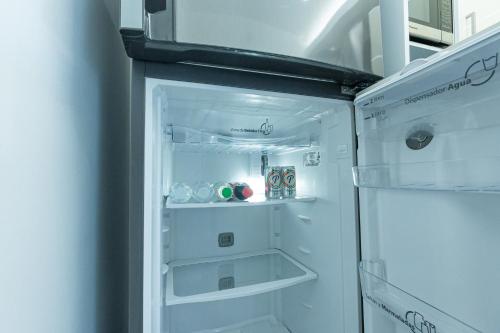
[[437, 128], [334, 32]]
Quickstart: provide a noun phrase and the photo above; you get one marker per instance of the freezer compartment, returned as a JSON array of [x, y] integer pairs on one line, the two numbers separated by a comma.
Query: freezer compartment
[[212, 279], [404, 310], [436, 127]]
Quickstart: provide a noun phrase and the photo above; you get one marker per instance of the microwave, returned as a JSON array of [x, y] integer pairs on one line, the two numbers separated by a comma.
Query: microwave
[[431, 20]]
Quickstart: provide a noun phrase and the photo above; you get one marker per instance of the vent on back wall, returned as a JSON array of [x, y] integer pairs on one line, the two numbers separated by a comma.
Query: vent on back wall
[[226, 239], [226, 283]]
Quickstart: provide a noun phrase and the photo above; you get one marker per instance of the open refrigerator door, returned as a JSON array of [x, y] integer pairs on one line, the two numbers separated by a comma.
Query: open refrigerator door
[[427, 160]]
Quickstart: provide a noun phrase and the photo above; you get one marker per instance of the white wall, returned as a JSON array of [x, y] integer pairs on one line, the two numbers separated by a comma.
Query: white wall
[[63, 171], [487, 14]]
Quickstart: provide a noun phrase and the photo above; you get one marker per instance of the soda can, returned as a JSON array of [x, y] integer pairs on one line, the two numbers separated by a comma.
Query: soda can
[[274, 183], [289, 182]]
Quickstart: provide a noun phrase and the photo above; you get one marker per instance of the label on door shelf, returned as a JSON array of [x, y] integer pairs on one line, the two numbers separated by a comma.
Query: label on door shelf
[[476, 74], [414, 320]]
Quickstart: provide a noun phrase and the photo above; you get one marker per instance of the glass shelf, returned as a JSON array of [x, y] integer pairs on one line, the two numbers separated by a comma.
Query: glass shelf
[[267, 324], [193, 140], [214, 279], [406, 310], [252, 202]]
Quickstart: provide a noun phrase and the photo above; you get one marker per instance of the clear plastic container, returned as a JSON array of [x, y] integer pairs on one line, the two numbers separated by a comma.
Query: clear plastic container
[[203, 192], [180, 193]]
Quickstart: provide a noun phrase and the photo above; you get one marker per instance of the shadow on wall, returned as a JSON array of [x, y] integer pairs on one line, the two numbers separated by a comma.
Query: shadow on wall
[[63, 169], [113, 68]]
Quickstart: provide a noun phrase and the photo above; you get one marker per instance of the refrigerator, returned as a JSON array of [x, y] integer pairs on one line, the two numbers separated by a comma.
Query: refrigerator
[[395, 224]]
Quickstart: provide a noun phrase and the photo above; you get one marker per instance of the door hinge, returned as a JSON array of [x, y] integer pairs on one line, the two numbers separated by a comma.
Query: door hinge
[[350, 91], [154, 6]]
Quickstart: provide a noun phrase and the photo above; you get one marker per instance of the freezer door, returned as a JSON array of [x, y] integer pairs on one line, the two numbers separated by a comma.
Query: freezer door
[[320, 33], [428, 183], [337, 32]]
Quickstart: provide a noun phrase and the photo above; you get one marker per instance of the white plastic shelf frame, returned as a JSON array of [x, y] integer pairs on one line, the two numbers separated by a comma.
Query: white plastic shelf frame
[[405, 310], [186, 139], [207, 118], [221, 278], [436, 126], [258, 200], [267, 324]]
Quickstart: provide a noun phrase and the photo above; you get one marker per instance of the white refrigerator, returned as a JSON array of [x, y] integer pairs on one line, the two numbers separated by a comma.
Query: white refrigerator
[[395, 226]]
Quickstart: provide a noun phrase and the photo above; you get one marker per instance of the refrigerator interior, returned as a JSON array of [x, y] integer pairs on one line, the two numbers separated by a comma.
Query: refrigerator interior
[[293, 263], [429, 182]]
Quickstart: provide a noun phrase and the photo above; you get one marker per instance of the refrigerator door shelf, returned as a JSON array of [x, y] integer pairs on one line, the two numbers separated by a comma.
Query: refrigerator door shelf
[[449, 106], [446, 81], [474, 175], [405, 310], [222, 278], [434, 126], [267, 324], [443, 66], [258, 200]]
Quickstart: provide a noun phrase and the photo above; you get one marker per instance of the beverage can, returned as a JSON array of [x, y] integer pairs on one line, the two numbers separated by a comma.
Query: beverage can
[[289, 182], [274, 182]]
